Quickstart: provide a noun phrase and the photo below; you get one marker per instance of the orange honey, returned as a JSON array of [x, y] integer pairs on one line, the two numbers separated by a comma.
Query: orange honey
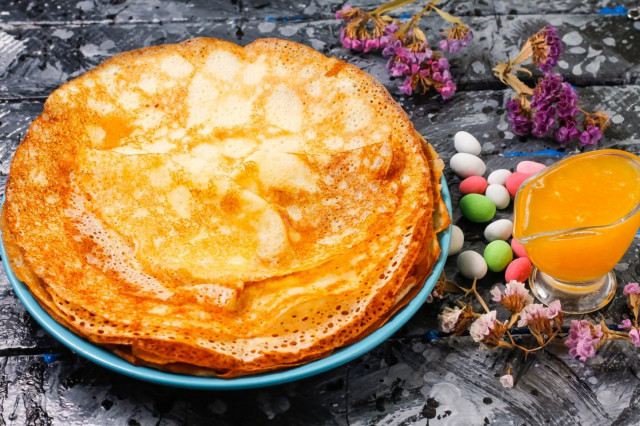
[[577, 218]]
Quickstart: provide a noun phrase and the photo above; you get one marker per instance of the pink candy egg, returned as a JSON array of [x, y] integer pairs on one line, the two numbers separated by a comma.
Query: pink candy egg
[[518, 270], [529, 168], [518, 249], [514, 181], [473, 185]]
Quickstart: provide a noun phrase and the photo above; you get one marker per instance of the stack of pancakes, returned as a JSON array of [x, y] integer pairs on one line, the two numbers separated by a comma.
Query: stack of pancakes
[[212, 209]]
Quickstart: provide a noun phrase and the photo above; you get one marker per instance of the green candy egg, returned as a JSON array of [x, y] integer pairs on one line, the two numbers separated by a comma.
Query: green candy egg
[[498, 255], [477, 208]]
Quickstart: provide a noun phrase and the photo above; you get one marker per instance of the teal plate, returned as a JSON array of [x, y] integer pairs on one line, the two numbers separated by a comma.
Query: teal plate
[[341, 356]]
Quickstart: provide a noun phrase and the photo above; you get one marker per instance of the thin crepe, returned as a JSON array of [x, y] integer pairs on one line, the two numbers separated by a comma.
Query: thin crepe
[[223, 210]]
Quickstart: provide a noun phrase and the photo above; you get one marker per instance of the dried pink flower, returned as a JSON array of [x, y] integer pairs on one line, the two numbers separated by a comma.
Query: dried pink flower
[[541, 319], [633, 291], [626, 324], [344, 13], [634, 334], [449, 319], [584, 339], [555, 309], [456, 320], [487, 330], [515, 298], [507, 380], [497, 294], [364, 32], [538, 312]]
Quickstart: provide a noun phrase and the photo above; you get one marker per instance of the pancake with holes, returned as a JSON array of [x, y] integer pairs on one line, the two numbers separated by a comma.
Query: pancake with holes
[[219, 210]]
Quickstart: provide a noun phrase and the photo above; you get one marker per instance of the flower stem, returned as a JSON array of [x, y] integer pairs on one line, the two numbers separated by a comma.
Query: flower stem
[[447, 17], [388, 7], [480, 299], [528, 351], [514, 318]]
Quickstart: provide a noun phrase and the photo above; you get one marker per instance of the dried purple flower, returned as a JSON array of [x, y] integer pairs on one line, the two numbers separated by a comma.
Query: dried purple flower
[[422, 68], [520, 117], [364, 32], [584, 339], [567, 102], [594, 124], [567, 131], [590, 136], [547, 47], [407, 86], [543, 101], [456, 38]]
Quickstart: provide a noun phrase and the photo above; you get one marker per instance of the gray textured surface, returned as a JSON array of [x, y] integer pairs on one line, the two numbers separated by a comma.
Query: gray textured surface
[[408, 379]]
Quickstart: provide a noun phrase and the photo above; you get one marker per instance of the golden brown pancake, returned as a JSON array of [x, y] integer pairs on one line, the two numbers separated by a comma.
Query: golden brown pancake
[[214, 209]]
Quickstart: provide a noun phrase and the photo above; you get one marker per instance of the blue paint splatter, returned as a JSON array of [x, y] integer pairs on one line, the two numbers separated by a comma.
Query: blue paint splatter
[[286, 19], [547, 152], [50, 358], [405, 16], [618, 10], [432, 335]]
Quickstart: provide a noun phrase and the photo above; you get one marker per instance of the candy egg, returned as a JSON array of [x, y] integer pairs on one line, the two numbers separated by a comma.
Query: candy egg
[[499, 195], [465, 165], [477, 208], [529, 168], [474, 185], [498, 177], [518, 249], [457, 240], [498, 255], [466, 142], [498, 230], [471, 264], [518, 270], [514, 181]]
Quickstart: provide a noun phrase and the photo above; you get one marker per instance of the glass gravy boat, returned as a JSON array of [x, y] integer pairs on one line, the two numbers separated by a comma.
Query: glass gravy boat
[[576, 219]]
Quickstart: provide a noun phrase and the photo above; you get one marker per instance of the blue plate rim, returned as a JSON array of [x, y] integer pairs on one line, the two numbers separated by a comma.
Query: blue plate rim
[[341, 356]]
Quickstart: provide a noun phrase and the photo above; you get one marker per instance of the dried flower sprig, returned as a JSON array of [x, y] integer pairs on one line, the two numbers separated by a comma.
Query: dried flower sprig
[[507, 380], [543, 322], [585, 337], [551, 107], [405, 44]]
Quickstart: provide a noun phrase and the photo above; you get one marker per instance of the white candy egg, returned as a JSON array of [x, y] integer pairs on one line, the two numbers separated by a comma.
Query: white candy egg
[[466, 142], [457, 240], [499, 230], [465, 165], [499, 195], [498, 177], [471, 264]]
